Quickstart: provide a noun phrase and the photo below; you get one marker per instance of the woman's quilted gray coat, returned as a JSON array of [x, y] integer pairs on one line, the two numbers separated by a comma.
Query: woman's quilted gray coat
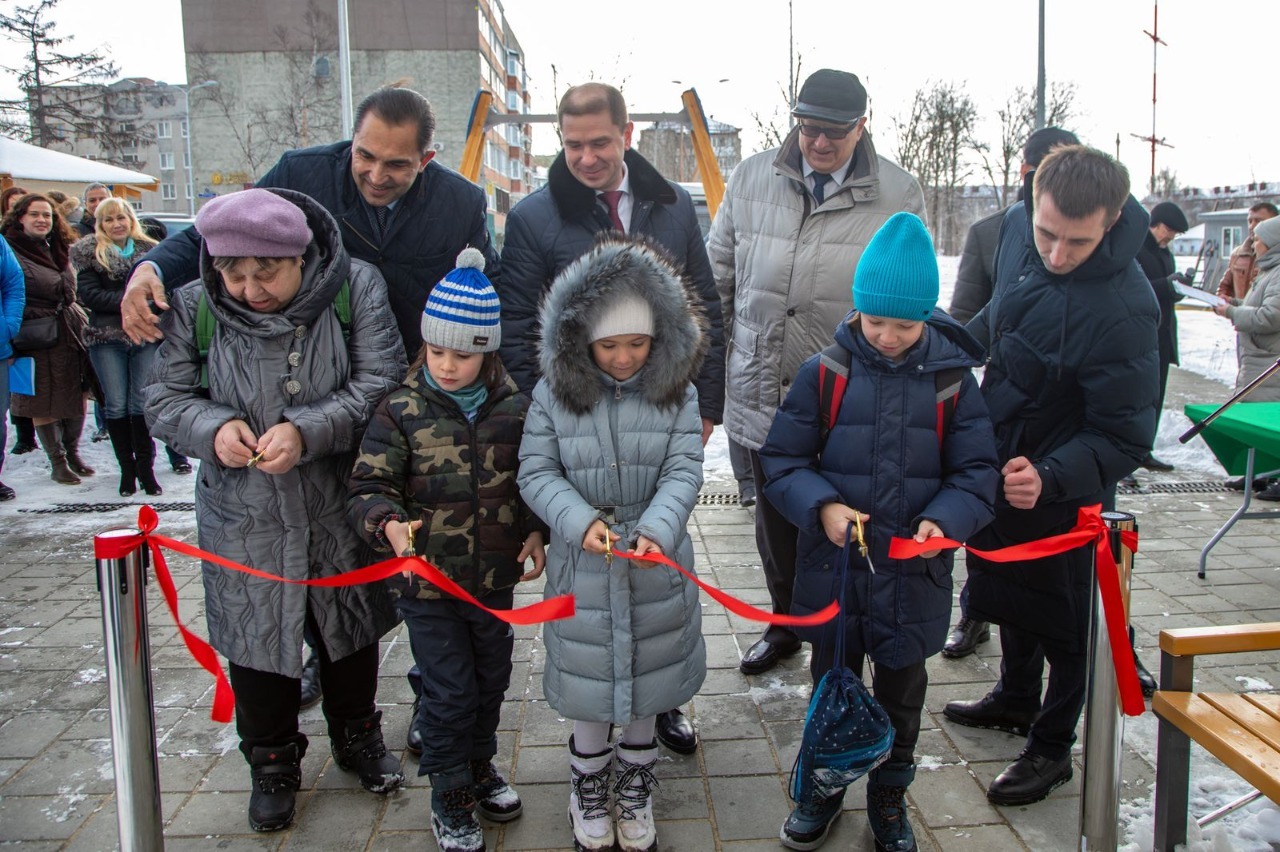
[[292, 524]]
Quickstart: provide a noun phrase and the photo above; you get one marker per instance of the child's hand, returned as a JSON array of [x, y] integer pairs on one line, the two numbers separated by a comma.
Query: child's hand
[[644, 545], [928, 529], [234, 444], [599, 538], [397, 535], [280, 448], [836, 518], [533, 547]]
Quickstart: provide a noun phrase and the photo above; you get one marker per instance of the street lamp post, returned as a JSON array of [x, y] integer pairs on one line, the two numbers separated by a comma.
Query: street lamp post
[[186, 100]]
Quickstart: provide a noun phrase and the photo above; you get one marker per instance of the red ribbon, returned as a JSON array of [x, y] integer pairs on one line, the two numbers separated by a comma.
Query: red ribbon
[[1089, 529], [734, 605], [116, 547]]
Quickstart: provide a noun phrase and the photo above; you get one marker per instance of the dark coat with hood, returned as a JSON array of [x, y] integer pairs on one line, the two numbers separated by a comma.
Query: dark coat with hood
[[558, 224], [291, 524], [630, 453], [883, 457], [1072, 384], [1158, 265], [101, 288], [423, 458], [440, 215]]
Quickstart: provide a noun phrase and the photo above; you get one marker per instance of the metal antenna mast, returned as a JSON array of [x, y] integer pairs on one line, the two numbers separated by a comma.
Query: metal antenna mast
[[1156, 43]]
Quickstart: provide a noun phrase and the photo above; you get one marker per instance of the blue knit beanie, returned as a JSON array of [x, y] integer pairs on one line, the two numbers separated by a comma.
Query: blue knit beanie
[[463, 312], [897, 275]]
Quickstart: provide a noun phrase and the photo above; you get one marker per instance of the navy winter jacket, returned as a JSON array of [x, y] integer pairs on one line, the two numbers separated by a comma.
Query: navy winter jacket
[[556, 225], [440, 215], [883, 458]]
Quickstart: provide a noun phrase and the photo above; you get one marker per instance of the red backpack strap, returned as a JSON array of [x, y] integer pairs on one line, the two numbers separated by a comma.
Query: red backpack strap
[[947, 382], [833, 378]]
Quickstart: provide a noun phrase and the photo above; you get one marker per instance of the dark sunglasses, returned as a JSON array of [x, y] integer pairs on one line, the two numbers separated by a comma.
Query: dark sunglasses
[[812, 131]]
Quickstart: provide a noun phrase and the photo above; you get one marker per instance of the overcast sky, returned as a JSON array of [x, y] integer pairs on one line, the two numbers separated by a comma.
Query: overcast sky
[[1223, 128]]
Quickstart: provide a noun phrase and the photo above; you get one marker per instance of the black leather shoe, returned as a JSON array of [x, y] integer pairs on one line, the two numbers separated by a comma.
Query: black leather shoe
[[6, 493], [1129, 481], [764, 655], [1271, 493], [1260, 483], [991, 713], [1029, 779], [965, 637], [676, 732], [1145, 680], [311, 680], [413, 741], [1153, 463], [183, 466]]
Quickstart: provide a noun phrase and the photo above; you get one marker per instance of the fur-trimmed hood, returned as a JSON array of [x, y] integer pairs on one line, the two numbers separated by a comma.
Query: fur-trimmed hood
[[83, 257], [613, 267]]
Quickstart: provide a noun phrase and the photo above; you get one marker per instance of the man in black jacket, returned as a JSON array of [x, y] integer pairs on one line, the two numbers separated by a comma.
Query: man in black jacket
[[395, 208], [1072, 389], [1167, 222], [599, 184]]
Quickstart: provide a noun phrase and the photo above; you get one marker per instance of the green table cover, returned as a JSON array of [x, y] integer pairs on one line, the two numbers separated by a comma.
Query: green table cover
[[1243, 425]]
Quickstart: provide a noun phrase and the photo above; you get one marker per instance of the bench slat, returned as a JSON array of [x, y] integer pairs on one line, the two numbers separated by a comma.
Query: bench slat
[[1251, 758], [1193, 641], [1248, 715], [1268, 701]]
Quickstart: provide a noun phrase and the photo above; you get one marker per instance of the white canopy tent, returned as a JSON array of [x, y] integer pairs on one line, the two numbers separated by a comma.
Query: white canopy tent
[[39, 169]]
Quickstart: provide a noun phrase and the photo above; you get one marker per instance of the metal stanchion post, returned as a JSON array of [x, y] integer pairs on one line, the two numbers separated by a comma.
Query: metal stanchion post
[[1103, 721], [127, 647]]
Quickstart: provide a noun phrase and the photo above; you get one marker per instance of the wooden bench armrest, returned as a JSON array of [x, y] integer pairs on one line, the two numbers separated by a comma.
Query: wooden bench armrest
[[1194, 641]]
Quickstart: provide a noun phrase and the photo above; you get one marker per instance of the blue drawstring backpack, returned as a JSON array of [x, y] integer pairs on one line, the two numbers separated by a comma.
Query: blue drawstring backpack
[[846, 732]]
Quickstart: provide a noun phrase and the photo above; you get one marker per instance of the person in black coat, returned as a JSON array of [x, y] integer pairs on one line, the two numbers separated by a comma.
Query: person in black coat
[[1072, 386], [395, 208], [596, 185], [1167, 222]]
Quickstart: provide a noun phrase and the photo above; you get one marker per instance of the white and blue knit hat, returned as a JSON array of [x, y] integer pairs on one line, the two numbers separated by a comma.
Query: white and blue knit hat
[[463, 312]]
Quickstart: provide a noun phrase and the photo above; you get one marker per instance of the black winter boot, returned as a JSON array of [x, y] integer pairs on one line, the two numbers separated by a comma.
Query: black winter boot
[[121, 434], [25, 432], [277, 775], [71, 429], [144, 455], [362, 751], [50, 436], [887, 807], [453, 805], [495, 799]]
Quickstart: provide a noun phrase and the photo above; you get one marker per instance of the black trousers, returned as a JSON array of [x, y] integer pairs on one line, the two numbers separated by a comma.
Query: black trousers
[[463, 660], [777, 540], [1021, 678], [899, 691], [267, 703]]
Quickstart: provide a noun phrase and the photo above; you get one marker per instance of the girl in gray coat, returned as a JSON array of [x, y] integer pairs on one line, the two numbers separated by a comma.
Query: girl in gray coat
[[612, 456], [299, 345]]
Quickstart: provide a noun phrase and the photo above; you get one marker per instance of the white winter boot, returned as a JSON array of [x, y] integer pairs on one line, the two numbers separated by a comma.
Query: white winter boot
[[633, 797], [589, 800]]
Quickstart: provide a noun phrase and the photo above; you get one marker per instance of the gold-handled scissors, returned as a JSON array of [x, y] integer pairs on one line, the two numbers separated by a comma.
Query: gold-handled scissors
[[862, 541], [254, 459], [410, 549]]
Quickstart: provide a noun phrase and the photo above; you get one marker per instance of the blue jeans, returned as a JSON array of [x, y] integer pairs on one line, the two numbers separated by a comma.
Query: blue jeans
[[123, 370]]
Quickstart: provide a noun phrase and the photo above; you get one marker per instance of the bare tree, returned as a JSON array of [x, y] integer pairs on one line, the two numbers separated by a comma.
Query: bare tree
[[935, 144], [1166, 184], [776, 125], [1017, 121], [63, 96]]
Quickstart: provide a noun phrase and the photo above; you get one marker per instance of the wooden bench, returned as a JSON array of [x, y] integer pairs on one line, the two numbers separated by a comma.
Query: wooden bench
[[1241, 730]]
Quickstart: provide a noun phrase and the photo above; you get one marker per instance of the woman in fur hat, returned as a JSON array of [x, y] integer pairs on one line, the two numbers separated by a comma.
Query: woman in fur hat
[[612, 457]]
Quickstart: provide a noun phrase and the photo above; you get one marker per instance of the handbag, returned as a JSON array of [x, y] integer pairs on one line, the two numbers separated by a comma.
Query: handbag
[[846, 732], [36, 334]]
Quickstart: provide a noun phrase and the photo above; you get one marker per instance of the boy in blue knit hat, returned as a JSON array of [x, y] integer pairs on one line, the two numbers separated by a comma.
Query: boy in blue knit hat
[[436, 476], [886, 426]]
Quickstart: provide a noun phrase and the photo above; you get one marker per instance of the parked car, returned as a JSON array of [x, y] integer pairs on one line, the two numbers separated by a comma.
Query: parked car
[[172, 222]]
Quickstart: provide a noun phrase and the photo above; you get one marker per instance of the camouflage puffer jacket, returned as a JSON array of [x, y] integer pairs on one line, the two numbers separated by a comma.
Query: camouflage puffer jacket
[[422, 458]]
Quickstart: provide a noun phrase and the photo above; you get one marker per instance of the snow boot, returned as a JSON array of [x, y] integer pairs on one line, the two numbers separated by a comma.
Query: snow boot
[[50, 436], [808, 824], [144, 455], [887, 807], [453, 818], [121, 435], [633, 797], [495, 799], [589, 800], [362, 751], [71, 429], [26, 435], [277, 775]]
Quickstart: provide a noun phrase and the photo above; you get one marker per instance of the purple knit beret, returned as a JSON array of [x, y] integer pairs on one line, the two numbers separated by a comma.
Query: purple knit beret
[[253, 223]]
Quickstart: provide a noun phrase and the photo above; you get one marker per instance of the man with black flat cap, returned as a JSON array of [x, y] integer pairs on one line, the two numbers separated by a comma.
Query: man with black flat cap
[[784, 245]]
